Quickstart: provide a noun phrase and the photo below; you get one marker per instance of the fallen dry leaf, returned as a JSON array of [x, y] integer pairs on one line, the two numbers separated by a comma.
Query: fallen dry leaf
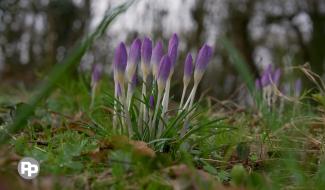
[[76, 126], [142, 149], [182, 177]]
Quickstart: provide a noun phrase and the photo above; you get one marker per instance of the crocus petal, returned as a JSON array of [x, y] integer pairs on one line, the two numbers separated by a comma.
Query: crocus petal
[[96, 74], [152, 102], [298, 87], [157, 54], [276, 76], [203, 58], [134, 82], [164, 69], [265, 80], [266, 76], [188, 69], [118, 90], [134, 59], [135, 52], [258, 84], [267, 70], [188, 66], [120, 58], [146, 51], [172, 49]]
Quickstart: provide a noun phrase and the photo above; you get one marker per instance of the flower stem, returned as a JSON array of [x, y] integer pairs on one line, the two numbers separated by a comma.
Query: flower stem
[[142, 106], [129, 96], [193, 96], [190, 99], [93, 94], [166, 97], [115, 109], [126, 114], [183, 96], [153, 122]]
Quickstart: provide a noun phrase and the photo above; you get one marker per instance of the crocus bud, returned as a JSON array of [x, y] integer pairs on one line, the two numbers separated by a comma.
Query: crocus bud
[[157, 54], [266, 76], [276, 77], [152, 102], [163, 72], [134, 59], [265, 80], [188, 69], [258, 84], [269, 77], [203, 58], [298, 87], [146, 52], [268, 70], [96, 74], [172, 49], [120, 61]]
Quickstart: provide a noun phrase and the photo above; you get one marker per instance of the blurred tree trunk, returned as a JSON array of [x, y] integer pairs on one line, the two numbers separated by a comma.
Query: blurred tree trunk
[[52, 29], [312, 51], [317, 43], [61, 15], [67, 24], [13, 33], [198, 15], [239, 34]]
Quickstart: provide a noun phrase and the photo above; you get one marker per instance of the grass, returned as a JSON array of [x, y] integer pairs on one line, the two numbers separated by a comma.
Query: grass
[[226, 146], [230, 148]]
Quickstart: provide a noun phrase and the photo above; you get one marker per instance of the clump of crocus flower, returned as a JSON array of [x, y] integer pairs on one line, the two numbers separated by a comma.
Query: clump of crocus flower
[[203, 58], [269, 84], [147, 114]]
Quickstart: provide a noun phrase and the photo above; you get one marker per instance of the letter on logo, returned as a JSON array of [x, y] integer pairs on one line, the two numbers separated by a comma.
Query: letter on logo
[[28, 168]]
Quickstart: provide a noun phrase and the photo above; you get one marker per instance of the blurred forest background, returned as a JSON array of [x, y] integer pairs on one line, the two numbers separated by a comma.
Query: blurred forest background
[[36, 34]]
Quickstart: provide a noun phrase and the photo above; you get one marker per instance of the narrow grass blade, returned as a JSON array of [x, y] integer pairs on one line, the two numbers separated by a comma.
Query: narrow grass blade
[[60, 70]]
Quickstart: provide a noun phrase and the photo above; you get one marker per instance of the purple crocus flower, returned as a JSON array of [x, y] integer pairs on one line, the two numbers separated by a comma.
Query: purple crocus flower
[[135, 51], [120, 58], [172, 49], [118, 89], [164, 70], [268, 70], [134, 59], [157, 54], [203, 58], [134, 82], [276, 76], [120, 61], [152, 102], [96, 74], [266, 76], [258, 84], [146, 51], [269, 76], [298, 87], [188, 67]]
